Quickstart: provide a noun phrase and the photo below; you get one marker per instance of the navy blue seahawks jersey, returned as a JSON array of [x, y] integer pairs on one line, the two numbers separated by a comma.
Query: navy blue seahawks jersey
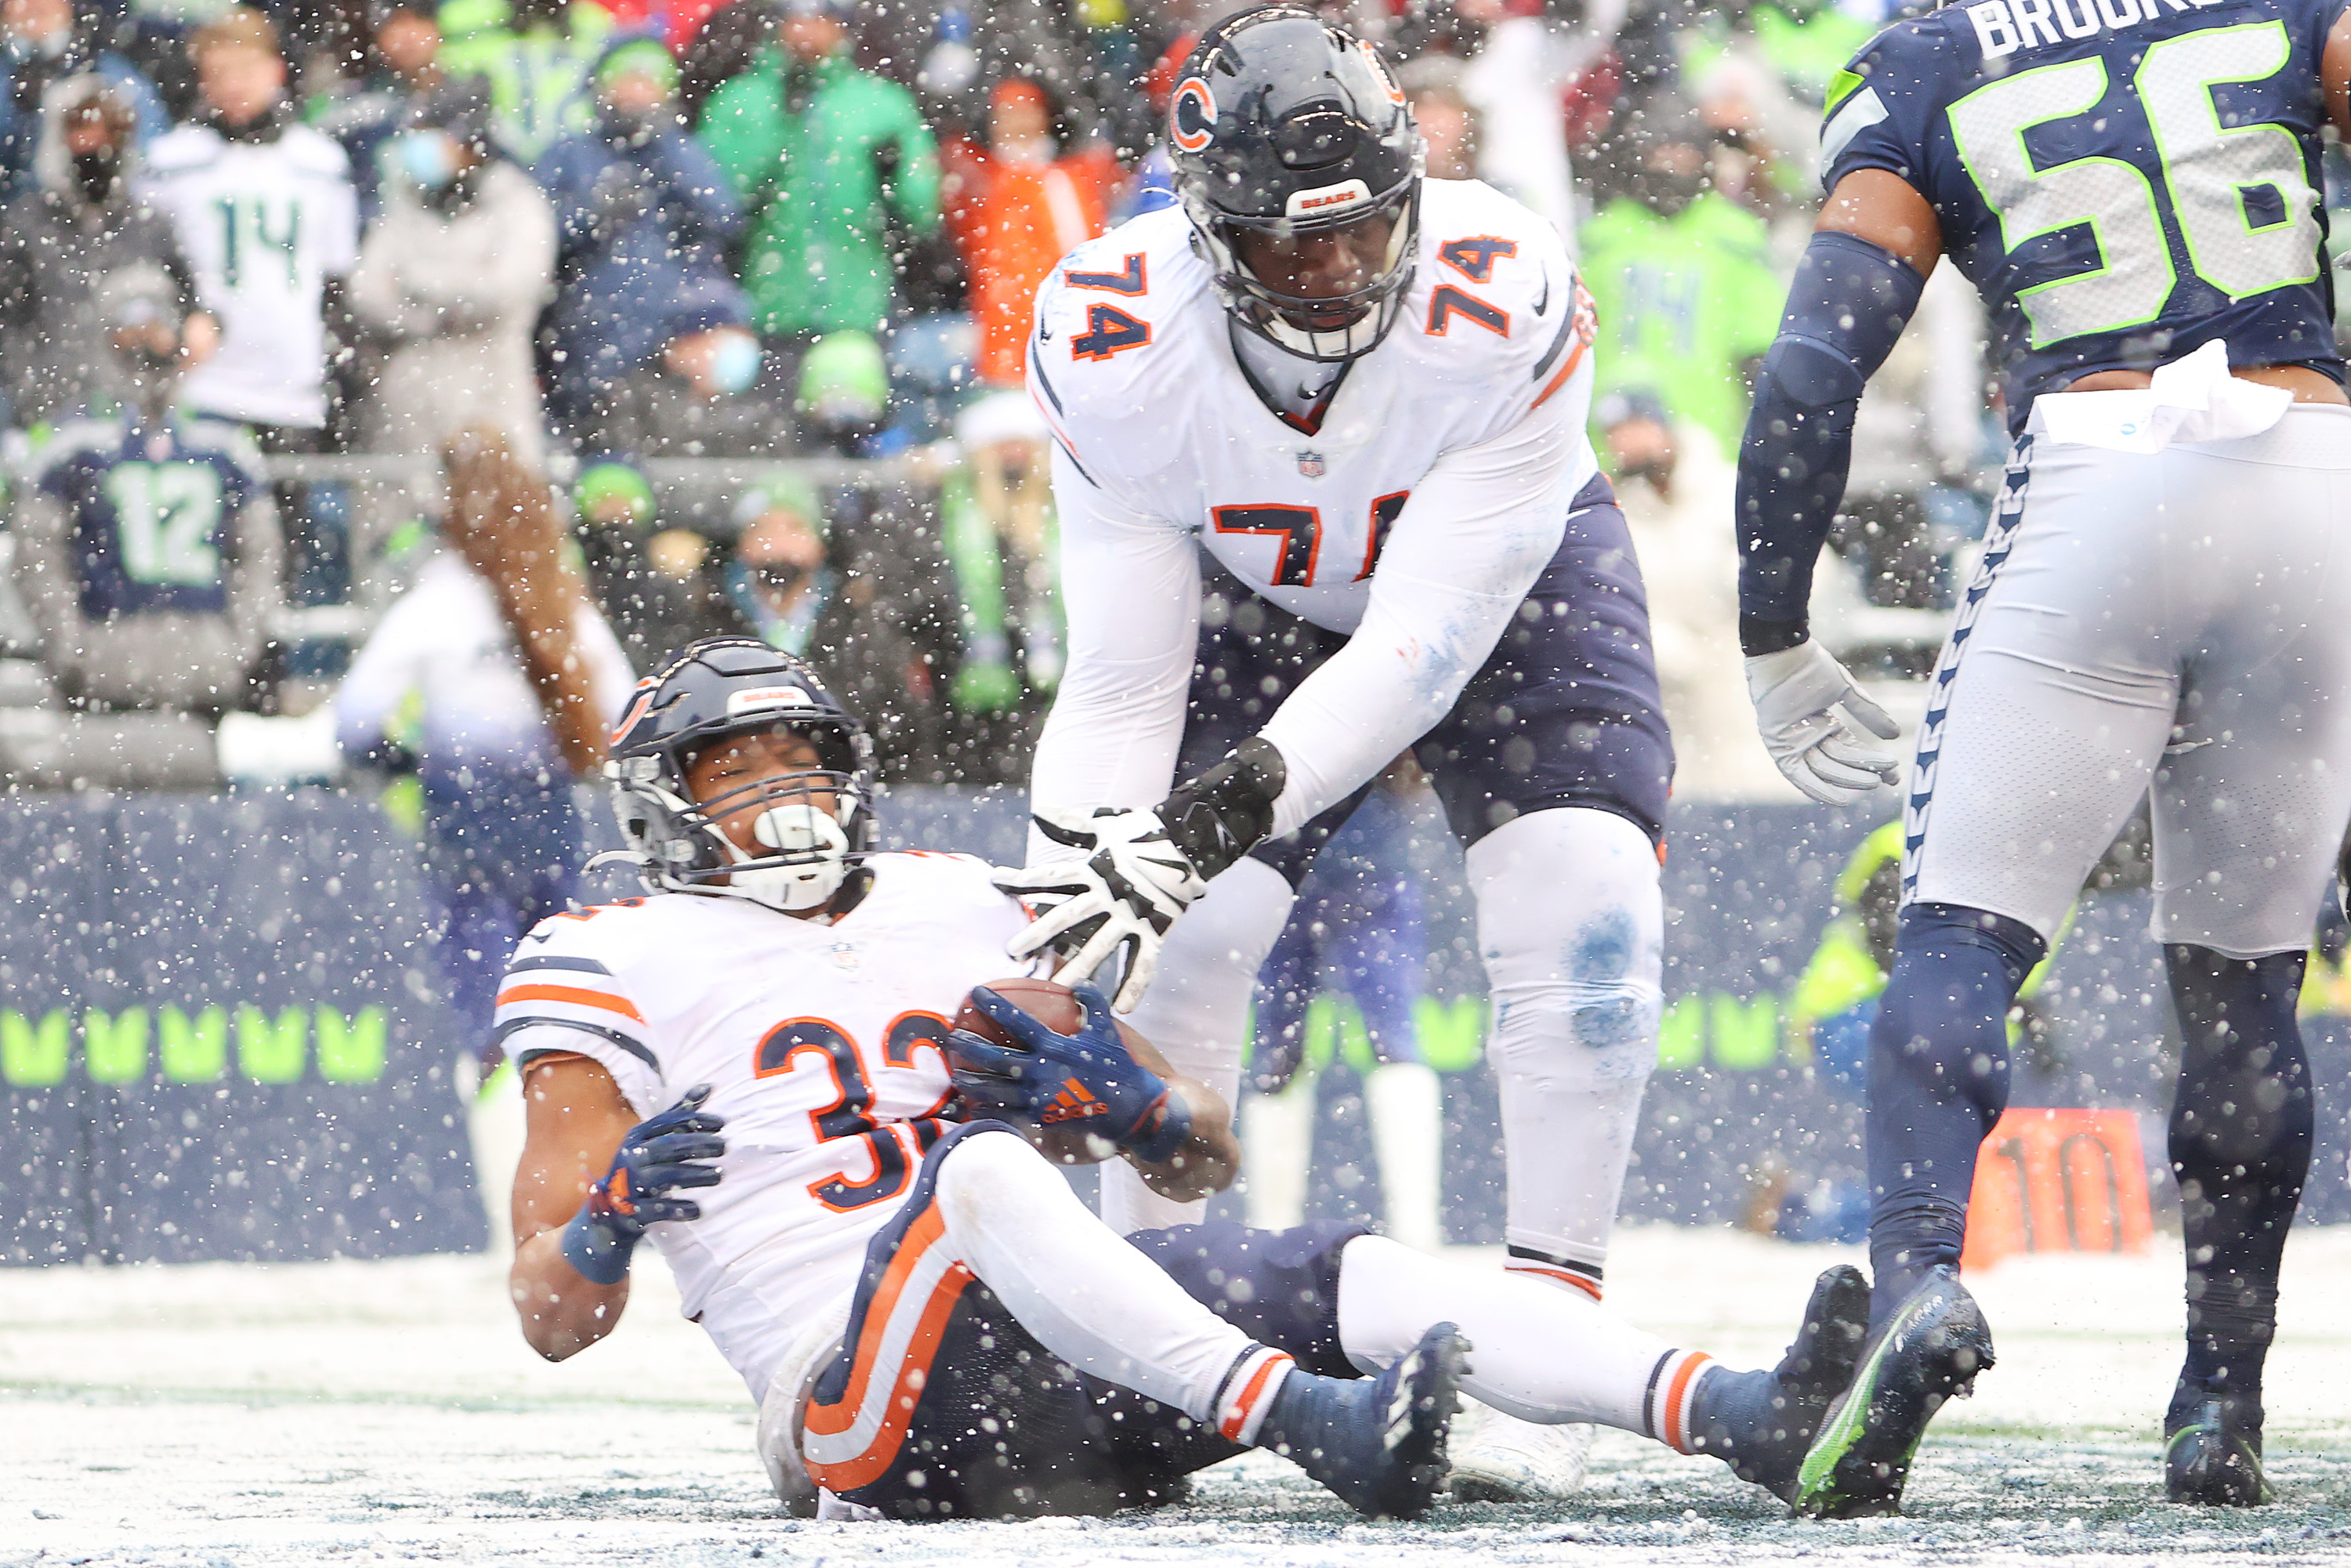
[[151, 511], [2123, 180]]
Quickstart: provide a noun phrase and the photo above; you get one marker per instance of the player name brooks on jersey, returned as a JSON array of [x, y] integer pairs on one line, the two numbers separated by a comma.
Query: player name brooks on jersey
[[2123, 180], [1136, 373], [2004, 26]]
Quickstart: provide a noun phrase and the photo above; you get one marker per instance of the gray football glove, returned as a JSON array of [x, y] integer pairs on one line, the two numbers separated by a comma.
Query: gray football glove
[[1797, 692]]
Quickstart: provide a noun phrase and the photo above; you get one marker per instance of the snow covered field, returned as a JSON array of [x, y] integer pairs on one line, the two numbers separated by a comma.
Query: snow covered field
[[356, 1413]]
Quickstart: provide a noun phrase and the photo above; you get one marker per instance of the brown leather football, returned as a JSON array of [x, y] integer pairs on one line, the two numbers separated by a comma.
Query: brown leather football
[[1064, 1137]]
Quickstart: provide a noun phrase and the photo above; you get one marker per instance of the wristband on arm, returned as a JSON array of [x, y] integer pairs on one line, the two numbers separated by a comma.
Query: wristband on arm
[[1848, 305], [1227, 810]]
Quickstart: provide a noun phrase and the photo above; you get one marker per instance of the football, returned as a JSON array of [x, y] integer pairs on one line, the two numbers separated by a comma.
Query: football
[[1066, 1143]]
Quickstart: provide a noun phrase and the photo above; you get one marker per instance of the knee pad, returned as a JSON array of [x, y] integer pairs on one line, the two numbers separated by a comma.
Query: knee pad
[[1570, 925], [994, 1171]]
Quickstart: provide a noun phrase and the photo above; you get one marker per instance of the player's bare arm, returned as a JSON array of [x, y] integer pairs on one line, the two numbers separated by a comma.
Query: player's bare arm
[[570, 1276], [576, 1121], [1880, 206], [2334, 75]]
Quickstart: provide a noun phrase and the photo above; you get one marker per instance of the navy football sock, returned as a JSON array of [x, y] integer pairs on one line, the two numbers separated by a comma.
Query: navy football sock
[[2240, 1137], [1938, 1081]]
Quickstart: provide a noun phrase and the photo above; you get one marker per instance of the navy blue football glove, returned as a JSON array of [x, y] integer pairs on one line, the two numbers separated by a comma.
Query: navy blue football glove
[[659, 1156], [1054, 1080]]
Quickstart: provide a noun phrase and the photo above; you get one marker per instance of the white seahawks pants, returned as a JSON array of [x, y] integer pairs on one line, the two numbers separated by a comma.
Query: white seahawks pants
[[2179, 622]]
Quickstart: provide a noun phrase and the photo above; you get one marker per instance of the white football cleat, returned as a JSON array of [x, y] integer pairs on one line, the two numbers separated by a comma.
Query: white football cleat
[[1500, 1458]]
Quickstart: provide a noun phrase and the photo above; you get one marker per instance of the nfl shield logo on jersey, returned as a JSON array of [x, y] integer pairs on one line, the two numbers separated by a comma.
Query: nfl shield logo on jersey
[[1310, 465]]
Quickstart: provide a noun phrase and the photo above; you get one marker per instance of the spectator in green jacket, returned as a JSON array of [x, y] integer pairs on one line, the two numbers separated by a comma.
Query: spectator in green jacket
[[1687, 298], [829, 160]]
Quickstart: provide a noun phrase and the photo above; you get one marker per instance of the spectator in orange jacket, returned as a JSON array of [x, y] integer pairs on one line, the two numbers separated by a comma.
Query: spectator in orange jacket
[[1025, 205], [1016, 210]]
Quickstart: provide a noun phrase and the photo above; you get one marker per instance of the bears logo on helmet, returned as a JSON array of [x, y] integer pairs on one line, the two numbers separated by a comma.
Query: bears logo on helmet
[[1192, 116]]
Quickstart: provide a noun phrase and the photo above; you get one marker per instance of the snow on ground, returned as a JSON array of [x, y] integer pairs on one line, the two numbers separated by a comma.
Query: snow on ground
[[358, 1413]]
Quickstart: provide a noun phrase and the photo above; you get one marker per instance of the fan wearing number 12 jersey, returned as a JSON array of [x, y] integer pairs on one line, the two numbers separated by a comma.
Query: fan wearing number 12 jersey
[[2163, 609], [1326, 498]]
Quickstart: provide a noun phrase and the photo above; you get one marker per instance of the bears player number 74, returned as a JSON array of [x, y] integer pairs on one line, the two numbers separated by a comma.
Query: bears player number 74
[[1325, 496]]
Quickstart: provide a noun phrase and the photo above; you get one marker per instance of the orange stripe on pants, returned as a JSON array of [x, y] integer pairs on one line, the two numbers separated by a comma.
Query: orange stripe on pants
[[1589, 1287], [907, 1378]]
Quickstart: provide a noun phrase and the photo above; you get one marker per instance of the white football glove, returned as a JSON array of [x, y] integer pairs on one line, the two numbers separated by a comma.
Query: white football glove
[[1796, 691], [1120, 883]]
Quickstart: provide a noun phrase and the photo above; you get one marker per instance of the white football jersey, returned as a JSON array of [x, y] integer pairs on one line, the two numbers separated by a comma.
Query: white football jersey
[[263, 225], [1132, 363], [823, 1045]]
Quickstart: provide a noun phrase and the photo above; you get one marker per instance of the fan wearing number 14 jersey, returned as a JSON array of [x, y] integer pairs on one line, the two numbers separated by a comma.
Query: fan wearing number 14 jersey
[[2163, 608], [1326, 498]]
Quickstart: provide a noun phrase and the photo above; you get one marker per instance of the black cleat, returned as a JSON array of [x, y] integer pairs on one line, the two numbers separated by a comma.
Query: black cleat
[[1378, 1443], [1761, 1423], [2212, 1456], [1930, 1349]]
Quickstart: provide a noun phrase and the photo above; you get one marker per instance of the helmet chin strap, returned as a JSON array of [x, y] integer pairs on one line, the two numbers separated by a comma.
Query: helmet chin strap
[[1358, 336], [796, 828]]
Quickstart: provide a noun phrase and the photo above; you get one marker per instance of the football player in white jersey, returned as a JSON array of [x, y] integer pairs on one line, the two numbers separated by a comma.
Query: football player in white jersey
[[932, 1323], [1361, 394]]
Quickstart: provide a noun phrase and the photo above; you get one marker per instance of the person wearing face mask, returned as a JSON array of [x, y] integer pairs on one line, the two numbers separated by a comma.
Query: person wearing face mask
[[1019, 207], [149, 550], [516, 677], [647, 323], [1688, 299], [403, 69], [451, 281], [44, 44], [59, 241]]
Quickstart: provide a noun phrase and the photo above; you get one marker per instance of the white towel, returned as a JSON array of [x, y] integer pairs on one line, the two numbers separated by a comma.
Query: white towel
[[2194, 399]]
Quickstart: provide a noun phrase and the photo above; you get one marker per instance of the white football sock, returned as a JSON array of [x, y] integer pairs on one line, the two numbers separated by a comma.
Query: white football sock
[[1406, 1106], [1572, 926], [1196, 1012], [1091, 1298], [1276, 1144], [1541, 1355]]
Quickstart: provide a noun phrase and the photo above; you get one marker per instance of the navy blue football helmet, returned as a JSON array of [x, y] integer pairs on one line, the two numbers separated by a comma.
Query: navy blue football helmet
[[717, 690], [1283, 123]]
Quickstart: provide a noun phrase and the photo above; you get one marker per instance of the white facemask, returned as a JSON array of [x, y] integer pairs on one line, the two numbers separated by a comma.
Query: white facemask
[[795, 830]]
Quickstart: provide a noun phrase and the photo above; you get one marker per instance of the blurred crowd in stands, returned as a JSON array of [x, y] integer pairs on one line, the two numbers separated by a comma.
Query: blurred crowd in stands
[[661, 255]]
